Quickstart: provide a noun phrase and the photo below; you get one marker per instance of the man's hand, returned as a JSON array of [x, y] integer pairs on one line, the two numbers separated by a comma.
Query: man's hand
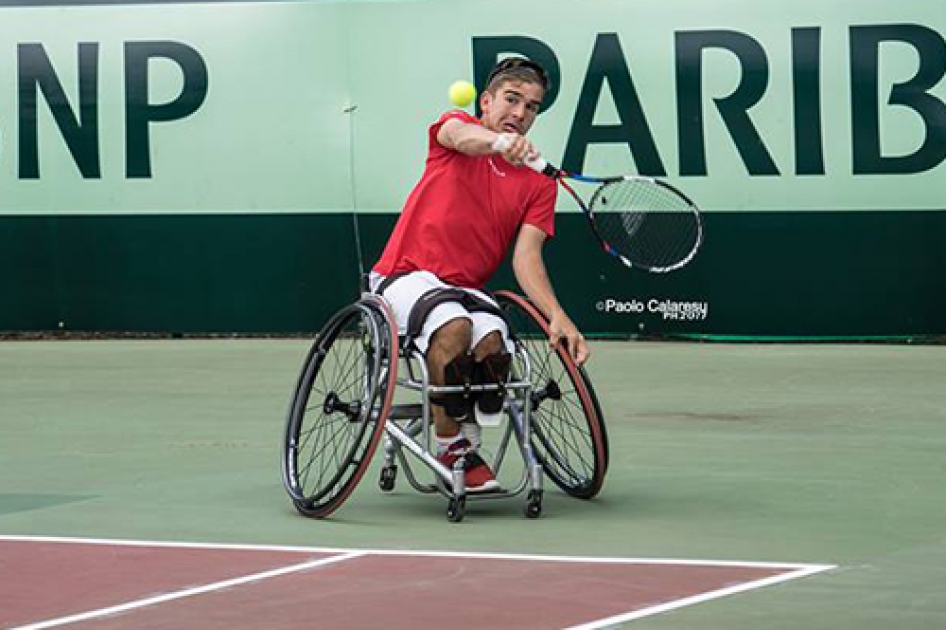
[[561, 329], [515, 148]]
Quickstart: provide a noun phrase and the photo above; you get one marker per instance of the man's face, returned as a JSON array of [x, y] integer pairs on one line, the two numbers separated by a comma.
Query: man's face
[[513, 108]]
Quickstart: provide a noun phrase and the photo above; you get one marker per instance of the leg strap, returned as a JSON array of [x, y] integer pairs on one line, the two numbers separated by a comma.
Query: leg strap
[[433, 298], [459, 371], [493, 370]]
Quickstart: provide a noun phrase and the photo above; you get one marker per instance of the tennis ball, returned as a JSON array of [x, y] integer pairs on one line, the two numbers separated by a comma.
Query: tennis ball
[[462, 93]]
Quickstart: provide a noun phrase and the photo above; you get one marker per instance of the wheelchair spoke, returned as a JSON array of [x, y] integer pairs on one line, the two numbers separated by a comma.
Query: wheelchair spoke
[[568, 435], [332, 427]]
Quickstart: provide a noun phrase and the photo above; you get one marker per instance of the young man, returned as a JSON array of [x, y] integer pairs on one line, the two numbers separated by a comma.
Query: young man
[[475, 199]]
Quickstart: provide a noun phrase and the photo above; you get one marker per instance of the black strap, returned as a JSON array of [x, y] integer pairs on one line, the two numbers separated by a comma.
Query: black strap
[[388, 281], [435, 297]]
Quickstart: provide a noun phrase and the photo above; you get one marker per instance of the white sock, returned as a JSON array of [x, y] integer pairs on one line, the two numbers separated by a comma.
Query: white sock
[[473, 432], [444, 442]]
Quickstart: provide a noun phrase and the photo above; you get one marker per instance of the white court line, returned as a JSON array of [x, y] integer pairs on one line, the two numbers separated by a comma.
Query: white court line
[[702, 597], [796, 571], [421, 553], [190, 592]]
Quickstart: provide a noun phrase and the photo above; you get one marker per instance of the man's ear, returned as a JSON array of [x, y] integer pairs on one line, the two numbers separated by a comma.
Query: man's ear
[[485, 100]]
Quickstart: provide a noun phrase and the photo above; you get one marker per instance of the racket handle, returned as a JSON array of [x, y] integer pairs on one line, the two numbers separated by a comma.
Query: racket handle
[[539, 165]]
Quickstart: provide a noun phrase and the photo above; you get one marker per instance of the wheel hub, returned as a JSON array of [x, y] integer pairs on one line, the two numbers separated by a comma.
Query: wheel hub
[[550, 391], [333, 403]]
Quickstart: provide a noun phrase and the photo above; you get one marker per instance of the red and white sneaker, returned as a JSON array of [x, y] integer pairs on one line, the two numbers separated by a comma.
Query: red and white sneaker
[[476, 472]]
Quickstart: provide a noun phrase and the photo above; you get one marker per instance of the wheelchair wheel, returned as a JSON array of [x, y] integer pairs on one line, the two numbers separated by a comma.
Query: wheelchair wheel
[[568, 433], [339, 407]]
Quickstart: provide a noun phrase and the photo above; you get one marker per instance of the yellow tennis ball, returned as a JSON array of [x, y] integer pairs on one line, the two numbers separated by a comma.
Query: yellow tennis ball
[[462, 93]]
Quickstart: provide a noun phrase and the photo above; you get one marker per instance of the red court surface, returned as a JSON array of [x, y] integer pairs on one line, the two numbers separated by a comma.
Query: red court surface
[[48, 583]]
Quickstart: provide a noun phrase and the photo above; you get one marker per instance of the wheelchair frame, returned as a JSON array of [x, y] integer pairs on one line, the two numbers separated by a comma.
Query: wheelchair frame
[[339, 413]]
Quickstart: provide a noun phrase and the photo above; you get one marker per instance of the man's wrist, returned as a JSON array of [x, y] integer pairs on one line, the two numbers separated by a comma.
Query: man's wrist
[[502, 142], [557, 313]]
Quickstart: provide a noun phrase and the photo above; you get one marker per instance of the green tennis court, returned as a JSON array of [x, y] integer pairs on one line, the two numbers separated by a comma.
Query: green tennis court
[[814, 454], [189, 189]]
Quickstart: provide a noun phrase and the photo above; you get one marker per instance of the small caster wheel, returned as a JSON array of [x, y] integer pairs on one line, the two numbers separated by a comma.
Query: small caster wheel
[[534, 504], [456, 509], [388, 475]]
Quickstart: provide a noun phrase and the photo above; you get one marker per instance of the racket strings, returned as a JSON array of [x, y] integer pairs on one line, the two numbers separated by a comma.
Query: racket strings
[[648, 224]]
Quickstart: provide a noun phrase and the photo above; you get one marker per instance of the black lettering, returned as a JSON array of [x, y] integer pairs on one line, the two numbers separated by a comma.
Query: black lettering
[[733, 108], [139, 113], [36, 73], [608, 64], [914, 94], [806, 96]]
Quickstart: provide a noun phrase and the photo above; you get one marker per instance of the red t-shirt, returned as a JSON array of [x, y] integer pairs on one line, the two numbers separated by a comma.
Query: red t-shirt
[[461, 218]]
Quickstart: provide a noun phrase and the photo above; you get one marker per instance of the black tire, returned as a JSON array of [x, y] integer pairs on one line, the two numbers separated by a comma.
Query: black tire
[[339, 407], [568, 432], [533, 507], [456, 509], [388, 478]]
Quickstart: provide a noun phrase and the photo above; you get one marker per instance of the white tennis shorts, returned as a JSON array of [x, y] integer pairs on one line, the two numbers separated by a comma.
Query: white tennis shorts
[[406, 290]]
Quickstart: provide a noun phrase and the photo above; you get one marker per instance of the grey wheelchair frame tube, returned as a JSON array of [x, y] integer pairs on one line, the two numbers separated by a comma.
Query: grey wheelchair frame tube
[[518, 411]]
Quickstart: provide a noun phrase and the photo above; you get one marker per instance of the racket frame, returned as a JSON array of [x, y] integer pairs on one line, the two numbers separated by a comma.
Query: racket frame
[[588, 210]]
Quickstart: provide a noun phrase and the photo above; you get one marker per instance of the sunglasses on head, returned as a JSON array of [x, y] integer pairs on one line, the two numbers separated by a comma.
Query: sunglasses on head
[[511, 63]]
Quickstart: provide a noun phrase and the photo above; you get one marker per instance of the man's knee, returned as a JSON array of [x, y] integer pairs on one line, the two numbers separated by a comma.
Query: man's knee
[[492, 343], [451, 339], [493, 362]]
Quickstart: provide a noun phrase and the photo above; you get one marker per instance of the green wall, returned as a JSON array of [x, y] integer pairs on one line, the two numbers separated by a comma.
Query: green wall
[[193, 167], [288, 273]]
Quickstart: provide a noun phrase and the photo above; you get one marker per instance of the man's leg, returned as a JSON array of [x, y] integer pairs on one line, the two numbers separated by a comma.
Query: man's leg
[[490, 344], [450, 362], [449, 346], [493, 363]]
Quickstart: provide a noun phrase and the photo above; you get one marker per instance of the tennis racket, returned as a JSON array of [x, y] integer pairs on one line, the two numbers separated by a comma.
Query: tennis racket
[[645, 223]]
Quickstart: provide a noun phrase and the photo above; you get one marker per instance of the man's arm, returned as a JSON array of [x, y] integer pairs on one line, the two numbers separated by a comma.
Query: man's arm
[[474, 139], [529, 268]]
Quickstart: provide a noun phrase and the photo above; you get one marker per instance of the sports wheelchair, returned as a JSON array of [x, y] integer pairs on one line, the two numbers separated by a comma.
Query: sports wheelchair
[[359, 384]]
